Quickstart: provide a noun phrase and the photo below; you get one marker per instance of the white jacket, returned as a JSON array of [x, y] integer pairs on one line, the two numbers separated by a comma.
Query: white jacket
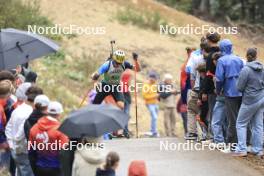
[[15, 128], [86, 161]]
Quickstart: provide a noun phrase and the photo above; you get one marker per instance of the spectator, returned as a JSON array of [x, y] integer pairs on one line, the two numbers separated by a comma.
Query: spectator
[[196, 59], [150, 95], [137, 168], [251, 84], [219, 113], [5, 92], [202, 102], [168, 98], [227, 71], [89, 158], [46, 132], [125, 79], [15, 128], [110, 166], [41, 103], [185, 84], [208, 92]]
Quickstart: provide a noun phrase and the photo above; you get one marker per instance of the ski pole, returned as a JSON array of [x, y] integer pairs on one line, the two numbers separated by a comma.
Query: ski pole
[[135, 85]]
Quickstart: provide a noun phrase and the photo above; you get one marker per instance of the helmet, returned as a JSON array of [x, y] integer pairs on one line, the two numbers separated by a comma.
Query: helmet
[[119, 56]]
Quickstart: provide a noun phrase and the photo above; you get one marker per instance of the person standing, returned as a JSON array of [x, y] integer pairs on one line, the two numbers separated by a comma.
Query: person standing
[[208, 91], [168, 98], [88, 158], [251, 84], [185, 84], [15, 128], [151, 97], [227, 72], [125, 82], [5, 92], [193, 109], [45, 133]]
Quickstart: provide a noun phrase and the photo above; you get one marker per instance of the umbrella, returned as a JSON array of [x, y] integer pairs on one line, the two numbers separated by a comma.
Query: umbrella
[[18, 47], [94, 121]]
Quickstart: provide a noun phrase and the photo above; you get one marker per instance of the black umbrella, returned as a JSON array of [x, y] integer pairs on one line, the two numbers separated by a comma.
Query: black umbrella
[[94, 121], [18, 47]]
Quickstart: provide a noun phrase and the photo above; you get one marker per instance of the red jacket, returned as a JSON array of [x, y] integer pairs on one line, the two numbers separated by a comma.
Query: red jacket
[[45, 131]]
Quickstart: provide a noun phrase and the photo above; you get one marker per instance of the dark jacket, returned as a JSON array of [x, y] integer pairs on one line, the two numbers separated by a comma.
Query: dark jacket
[[108, 172], [32, 120], [210, 72]]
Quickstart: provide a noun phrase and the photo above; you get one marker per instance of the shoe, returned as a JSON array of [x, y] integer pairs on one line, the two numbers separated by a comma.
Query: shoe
[[239, 154], [226, 150], [206, 142], [191, 136]]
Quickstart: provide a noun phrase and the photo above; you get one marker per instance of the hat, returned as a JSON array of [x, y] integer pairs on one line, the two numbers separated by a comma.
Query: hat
[[153, 75], [6, 88], [137, 167], [21, 91], [43, 100], [168, 76], [55, 108]]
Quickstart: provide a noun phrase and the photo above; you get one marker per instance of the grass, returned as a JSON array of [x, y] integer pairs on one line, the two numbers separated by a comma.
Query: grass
[[146, 20]]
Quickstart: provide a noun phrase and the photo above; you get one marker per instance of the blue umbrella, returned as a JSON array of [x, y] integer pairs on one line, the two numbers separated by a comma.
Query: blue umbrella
[[18, 47]]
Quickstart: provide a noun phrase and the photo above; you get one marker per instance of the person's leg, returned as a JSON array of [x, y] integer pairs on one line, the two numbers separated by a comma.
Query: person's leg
[[192, 111], [127, 111], [12, 168], [184, 122], [153, 109], [204, 114], [23, 165], [245, 114], [99, 97], [119, 98], [257, 131], [232, 107], [167, 121], [211, 104], [219, 115], [173, 121]]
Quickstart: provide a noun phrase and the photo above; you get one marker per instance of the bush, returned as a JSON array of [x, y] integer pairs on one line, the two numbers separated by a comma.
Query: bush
[[19, 14]]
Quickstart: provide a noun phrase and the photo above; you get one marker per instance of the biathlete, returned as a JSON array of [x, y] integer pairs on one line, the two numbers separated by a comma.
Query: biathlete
[[112, 71]]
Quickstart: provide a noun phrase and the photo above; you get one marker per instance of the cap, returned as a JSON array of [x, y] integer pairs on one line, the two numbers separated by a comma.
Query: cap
[[43, 100], [168, 76], [55, 108]]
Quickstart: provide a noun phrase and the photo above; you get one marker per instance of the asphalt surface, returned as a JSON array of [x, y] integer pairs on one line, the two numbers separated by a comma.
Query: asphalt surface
[[172, 158]]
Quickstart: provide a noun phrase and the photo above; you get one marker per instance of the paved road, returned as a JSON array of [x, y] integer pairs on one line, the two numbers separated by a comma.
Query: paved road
[[177, 163]]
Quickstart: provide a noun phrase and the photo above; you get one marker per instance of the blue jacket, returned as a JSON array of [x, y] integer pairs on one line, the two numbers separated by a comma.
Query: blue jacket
[[227, 70]]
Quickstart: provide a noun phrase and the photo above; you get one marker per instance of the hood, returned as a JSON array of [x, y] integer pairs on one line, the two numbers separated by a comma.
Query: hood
[[255, 65], [48, 123], [226, 47], [92, 155]]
